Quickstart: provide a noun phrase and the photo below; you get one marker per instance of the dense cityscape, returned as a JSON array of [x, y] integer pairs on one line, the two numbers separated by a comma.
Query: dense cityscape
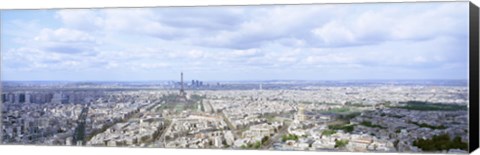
[[360, 116]]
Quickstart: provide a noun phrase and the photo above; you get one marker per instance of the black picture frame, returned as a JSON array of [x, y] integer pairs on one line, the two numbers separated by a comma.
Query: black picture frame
[[473, 76]]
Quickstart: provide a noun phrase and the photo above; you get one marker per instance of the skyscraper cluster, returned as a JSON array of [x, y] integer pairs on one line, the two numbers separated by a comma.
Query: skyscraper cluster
[[196, 83]]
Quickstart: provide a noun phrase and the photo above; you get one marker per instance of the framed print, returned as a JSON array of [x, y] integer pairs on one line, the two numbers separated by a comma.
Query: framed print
[[370, 77]]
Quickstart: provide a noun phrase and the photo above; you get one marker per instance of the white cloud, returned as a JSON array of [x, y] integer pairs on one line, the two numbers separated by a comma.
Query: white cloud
[[63, 40], [245, 53], [393, 23], [196, 54], [263, 39], [83, 19], [334, 33], [64, 35], [148, 66], [30, 59]]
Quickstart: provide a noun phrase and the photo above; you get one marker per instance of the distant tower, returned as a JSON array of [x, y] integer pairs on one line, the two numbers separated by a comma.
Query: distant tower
[[182, 92], [301, 113], [260, 87]]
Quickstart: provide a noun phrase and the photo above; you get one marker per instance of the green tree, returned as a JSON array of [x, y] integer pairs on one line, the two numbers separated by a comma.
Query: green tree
[[328, 132], [440, 143], [264, 139], [289, 137], [341, 143]]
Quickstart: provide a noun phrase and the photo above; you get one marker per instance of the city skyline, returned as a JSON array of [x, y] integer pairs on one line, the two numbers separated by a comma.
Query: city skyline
[[248, 80], [237, 43]]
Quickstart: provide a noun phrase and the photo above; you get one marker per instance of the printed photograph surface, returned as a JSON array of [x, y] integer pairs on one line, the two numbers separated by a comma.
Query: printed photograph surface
[[374, 77]]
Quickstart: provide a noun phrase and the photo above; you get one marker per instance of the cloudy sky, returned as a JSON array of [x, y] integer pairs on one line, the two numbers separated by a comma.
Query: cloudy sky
[[296, 42]]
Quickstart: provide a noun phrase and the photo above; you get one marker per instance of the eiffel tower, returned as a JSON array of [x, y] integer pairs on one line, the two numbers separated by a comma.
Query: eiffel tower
[[182, 94]]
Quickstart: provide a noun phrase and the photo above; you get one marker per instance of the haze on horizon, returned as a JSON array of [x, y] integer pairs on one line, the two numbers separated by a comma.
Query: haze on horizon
[[235, 43]]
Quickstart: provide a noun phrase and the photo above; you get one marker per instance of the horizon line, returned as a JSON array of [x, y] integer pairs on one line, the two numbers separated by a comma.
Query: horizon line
[[186, 81]]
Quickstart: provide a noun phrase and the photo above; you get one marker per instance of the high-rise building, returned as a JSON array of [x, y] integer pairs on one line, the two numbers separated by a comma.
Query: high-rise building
[[57, 98], [11, 98], [4, 98], [21, 98], [27, 97], [196, 84]]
